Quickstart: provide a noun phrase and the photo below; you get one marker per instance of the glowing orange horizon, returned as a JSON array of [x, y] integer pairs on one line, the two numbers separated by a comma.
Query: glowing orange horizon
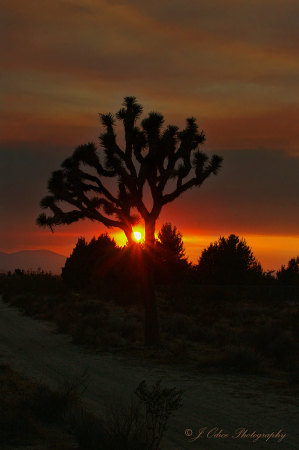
[[272, 251]]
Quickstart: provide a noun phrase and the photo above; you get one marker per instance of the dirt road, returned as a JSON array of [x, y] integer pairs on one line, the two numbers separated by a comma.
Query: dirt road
[[228, 403]]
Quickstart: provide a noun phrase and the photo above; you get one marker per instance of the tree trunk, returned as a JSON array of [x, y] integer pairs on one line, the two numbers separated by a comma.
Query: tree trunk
[[129, 235], [151, 326]]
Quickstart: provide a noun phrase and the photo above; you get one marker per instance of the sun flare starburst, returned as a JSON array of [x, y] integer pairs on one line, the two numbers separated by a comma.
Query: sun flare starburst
[[137, 235]]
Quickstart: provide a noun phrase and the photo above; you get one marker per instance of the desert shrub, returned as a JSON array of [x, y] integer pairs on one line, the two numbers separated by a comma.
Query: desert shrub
[[65, 318], [177, 324], [91, 307], [35, 305], [26, 302], [33, 282], [241, 359], [209, 335], [135, 425], [159, 405], [179, 299], [77, 314], [31, 412], [94, 331], [210, 314], [127, 328], [48, 405], [276, 344], [14, 419], [283, 350]]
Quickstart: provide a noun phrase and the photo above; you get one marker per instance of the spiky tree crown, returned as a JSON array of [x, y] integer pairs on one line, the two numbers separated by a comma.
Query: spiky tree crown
[[160, 154]]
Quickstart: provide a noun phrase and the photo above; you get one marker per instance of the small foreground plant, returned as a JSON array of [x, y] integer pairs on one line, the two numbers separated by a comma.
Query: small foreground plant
[[138, 425], [159, 405]]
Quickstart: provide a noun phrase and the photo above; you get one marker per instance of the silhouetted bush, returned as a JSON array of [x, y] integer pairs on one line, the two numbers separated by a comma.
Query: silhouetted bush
[[102, 268], [80, 265], [120, 276], [289, 276], [171, 264], [228, 261]]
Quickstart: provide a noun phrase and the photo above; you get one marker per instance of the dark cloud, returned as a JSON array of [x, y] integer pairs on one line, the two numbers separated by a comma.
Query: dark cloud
[[256, 192], [270, 24], [119, 40]]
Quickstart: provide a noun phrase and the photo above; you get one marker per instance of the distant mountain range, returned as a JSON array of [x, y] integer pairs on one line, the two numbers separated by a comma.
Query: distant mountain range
[[32, 259]]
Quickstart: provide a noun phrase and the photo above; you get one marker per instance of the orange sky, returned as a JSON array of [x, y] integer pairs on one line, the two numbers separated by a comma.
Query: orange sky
[[234, 65]]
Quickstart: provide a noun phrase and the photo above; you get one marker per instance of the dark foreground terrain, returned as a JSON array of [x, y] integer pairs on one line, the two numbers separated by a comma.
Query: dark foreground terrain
[[223, 401]]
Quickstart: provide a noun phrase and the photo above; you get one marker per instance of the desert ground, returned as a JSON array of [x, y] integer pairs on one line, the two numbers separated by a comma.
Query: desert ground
[[224, 402]]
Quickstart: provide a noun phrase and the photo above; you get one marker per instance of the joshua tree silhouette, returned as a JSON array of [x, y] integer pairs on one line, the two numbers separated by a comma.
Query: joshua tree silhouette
[[151, 155]]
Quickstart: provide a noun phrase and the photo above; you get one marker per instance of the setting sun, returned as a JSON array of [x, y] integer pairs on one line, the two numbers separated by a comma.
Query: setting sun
[[137, 235]]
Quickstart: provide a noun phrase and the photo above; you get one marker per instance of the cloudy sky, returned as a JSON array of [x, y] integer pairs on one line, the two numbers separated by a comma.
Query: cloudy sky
[[232, 64]]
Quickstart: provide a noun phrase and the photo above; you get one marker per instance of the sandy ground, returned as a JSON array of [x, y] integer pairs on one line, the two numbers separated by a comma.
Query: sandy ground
[[228, 403]]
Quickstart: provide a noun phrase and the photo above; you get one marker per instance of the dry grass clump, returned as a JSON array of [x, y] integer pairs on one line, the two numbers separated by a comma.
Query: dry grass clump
[[107, 331], [127, 324], [84, 334], [29, 304], [31, 413]]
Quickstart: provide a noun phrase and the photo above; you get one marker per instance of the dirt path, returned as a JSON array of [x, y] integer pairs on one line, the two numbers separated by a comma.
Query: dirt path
[[225, 402]]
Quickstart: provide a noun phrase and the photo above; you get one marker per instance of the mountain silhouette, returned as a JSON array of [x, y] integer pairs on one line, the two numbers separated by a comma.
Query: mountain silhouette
[[32, 259]]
